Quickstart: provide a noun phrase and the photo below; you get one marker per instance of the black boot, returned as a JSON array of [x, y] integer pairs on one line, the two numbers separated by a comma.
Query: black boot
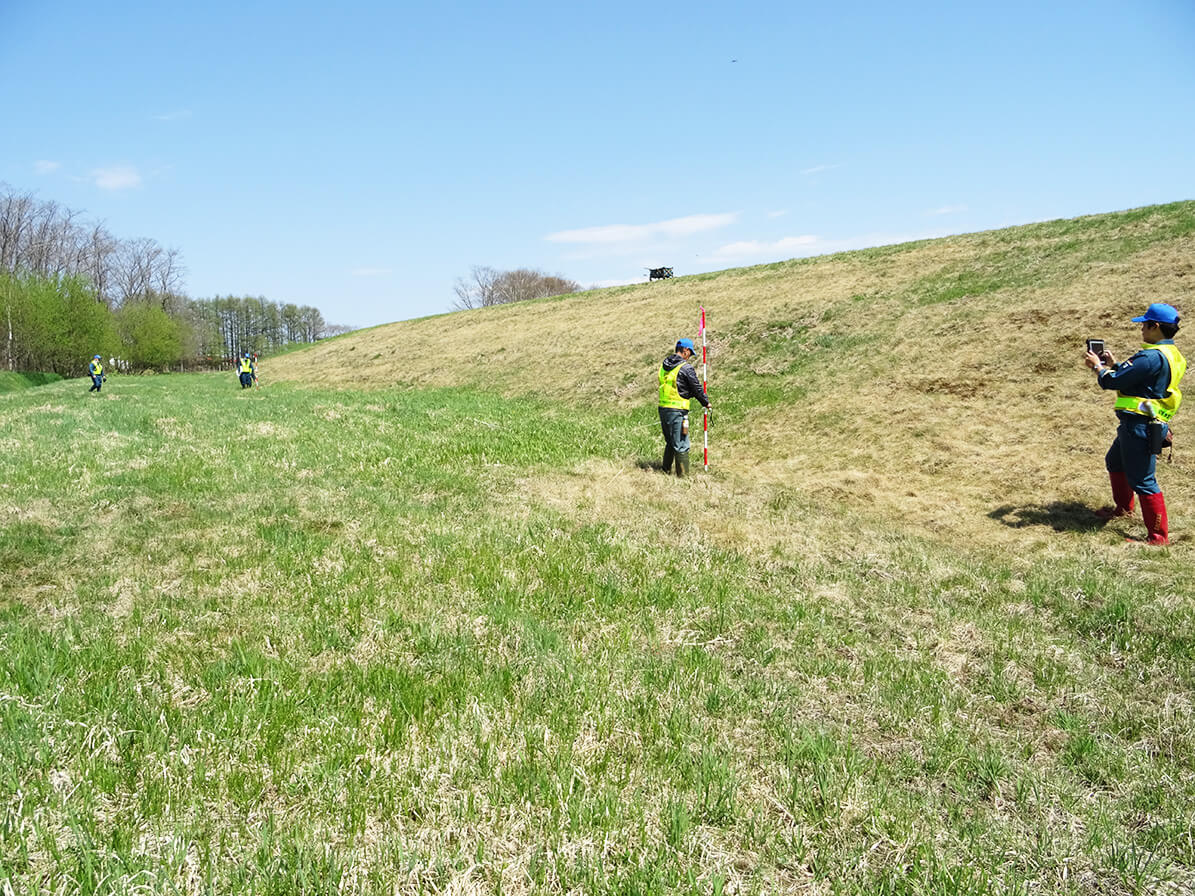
[[669, 454], [682, 464]]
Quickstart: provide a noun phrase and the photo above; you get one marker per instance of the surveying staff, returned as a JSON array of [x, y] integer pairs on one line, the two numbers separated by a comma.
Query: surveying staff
[[246, 369], [96, 369], [678, 383], [1147, 397]]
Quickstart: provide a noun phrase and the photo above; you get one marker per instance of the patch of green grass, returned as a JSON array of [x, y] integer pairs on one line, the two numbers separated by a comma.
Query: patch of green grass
[[11, 381], [291, 640]]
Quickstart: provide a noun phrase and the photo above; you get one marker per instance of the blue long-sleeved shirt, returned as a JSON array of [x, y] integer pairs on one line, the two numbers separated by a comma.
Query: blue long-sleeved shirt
[[1144, 375]]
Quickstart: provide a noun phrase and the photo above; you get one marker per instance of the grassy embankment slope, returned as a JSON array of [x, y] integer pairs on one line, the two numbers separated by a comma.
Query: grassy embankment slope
[[10, 382], [934, 387], [447, 635]]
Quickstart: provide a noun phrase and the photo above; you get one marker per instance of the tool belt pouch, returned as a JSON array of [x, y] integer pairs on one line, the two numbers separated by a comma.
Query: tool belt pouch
[[1156, 436]]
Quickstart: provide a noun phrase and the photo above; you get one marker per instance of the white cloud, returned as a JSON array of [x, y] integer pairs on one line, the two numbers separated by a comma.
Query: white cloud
[[627, 233], [818, 169], [44, 166], [176, 115], [947, 210], [117, 177], [779, 213], [370, 272], [805, 246], [786, 247]]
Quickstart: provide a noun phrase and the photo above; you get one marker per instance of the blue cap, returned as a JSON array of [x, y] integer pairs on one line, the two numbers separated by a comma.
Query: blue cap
[[685, 343], [93, 357], [1158, 313]]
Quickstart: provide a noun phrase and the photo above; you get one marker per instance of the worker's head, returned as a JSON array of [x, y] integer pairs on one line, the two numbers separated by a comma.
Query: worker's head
[[1161, 316], [683, 345], [95, 357]]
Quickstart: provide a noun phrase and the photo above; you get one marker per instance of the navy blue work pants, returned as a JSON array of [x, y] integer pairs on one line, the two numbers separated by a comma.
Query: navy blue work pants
[[1130, 455]]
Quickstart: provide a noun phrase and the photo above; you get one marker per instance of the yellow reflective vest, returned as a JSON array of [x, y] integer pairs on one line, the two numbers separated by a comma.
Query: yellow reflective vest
[[669, 394], [1163, 408], [246, 365], [95, 367]]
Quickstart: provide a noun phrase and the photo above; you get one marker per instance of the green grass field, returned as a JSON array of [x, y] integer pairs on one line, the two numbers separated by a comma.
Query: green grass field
[[297, 640]]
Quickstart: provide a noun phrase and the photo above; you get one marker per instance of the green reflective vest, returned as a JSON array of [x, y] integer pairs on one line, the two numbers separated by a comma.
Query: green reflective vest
[[669, 395], [1162, 408]]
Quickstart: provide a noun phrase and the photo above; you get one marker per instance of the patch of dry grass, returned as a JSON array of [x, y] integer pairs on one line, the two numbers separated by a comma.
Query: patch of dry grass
[[938, 385]]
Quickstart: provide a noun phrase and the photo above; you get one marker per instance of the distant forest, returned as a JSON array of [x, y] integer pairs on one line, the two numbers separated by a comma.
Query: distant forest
[[69, 290]]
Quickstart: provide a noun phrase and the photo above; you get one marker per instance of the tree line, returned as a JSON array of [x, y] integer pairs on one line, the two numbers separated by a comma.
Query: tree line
[[486, 287], [69, 289]]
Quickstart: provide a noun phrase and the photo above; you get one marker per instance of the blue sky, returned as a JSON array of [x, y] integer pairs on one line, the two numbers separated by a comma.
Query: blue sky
[[361, 156]]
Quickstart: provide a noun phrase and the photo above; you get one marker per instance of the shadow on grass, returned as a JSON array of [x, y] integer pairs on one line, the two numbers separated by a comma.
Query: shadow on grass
[[645, 463], [1061, 516]]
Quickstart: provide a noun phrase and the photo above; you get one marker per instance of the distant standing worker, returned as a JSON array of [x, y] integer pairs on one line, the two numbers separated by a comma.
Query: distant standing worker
[[246, 371], [1147, 397], [96, 369], [678, 384]]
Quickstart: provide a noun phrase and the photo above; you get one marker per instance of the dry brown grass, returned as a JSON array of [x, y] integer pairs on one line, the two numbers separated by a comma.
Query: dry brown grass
[[971, 418]]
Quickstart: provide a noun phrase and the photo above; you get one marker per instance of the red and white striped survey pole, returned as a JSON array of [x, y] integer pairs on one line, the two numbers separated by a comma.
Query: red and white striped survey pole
[[705, 376]]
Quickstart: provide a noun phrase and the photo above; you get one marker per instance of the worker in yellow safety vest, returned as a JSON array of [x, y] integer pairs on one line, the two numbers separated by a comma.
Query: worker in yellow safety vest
[[246, 370], [678, 384], [1147, 398], [96, 371]]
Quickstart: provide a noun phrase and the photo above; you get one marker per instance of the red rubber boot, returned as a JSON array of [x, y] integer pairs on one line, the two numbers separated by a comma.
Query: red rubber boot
[[1122, 494], [1153, 511]]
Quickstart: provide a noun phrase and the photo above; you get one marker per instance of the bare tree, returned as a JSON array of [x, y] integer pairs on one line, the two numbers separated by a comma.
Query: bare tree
[[477, 293], [146, 270], [16, 219], [490, 287], [53, 242], [134, 273], [38, 251], [39, 238], [98, 262], [168, 275]]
